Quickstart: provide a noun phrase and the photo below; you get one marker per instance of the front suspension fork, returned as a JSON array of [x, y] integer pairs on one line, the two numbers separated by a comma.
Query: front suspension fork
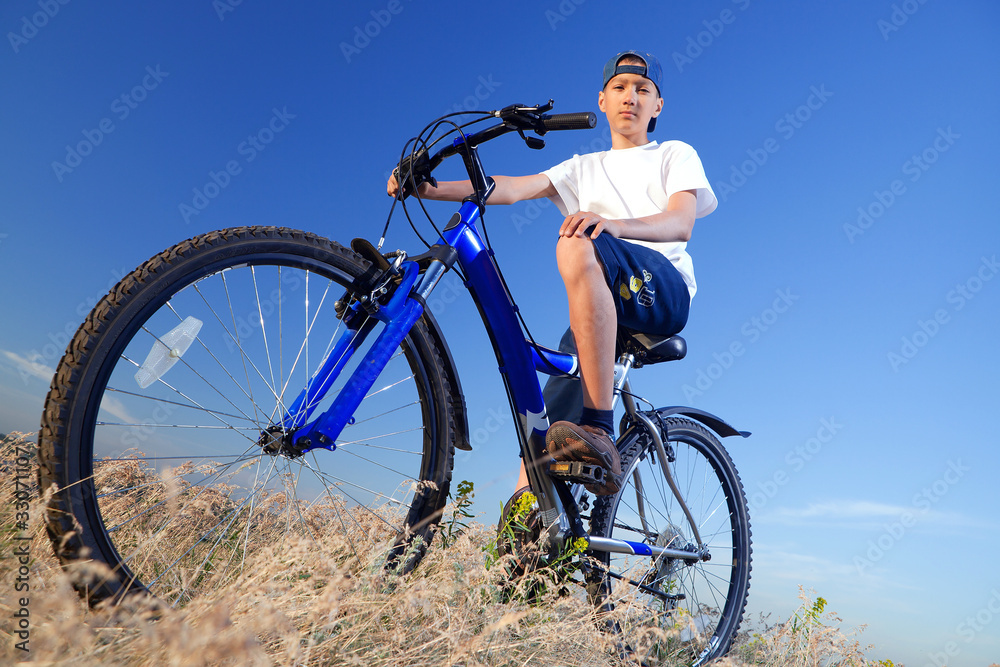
[[402, 311]]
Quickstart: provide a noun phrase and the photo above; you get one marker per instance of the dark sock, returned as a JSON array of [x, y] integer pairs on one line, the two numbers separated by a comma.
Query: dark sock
[[603, 419]]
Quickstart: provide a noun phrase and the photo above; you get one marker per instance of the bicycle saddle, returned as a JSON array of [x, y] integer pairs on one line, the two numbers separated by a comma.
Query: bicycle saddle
[[649, 348]]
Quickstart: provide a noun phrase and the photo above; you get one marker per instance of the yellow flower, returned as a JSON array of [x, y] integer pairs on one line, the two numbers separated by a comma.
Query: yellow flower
[[524, 504]]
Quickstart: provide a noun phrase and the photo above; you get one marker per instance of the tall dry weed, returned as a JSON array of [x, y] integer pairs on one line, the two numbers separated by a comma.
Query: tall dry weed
[[811, 637], [310, 598]]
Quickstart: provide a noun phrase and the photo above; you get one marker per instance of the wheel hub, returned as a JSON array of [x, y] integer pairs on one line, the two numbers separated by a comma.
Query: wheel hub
[[664, 573], [277, 441]]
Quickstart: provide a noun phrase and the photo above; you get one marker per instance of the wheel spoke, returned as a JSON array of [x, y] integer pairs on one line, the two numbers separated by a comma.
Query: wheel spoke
[[192, 482], [713, 592]]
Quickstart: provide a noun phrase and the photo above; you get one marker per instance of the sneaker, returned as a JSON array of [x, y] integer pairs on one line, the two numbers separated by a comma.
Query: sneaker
[[567, 441]]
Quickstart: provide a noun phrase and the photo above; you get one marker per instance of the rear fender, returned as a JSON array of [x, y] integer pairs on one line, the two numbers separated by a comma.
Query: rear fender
[[711, 421]]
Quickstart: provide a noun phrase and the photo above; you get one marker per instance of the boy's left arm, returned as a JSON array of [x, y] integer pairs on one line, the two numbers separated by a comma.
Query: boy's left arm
[[673, 224]]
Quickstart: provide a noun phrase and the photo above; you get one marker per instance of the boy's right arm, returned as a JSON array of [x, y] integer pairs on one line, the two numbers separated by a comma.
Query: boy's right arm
[[509, 189]]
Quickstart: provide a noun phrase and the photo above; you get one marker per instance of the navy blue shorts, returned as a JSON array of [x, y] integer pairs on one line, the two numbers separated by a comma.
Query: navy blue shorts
[[650, 294]]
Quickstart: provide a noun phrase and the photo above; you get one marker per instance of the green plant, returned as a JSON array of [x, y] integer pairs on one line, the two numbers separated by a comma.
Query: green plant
[[460, 514], [808, 616], [528, 572], [513, 533]]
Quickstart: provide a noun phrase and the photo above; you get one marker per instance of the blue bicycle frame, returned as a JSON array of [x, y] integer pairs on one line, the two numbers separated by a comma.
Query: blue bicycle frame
[[518, 359]]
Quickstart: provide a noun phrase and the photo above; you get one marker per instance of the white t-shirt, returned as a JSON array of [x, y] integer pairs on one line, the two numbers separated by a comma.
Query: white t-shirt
[[632, 183]]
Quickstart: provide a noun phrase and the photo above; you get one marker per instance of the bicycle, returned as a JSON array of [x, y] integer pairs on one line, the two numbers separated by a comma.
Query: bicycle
[[256, 382]]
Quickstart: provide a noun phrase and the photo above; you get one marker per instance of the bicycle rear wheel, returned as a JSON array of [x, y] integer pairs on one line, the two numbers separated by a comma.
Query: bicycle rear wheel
[[152, 430], [696, 606]]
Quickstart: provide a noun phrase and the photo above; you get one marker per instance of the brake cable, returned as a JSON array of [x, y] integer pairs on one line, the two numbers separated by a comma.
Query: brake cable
[[432, 127]]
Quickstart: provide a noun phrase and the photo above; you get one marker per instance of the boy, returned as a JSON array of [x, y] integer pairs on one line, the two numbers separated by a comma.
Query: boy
[[621, 251]]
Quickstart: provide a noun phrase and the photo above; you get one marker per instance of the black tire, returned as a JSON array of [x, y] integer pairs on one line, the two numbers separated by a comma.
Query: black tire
[[168, 484], [701, 626]]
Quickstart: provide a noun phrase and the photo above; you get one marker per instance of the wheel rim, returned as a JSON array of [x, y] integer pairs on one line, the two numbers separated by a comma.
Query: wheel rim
[[185, 496], [698, 626]]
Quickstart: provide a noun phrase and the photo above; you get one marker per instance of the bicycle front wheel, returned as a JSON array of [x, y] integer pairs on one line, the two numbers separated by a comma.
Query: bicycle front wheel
[[695, 605], [154, 427]]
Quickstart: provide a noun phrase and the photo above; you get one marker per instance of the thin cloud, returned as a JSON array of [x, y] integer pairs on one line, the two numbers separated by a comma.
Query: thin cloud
[[787, 564], [801, 568], [845, 509], [866, 515], [115, 407], [29, 367]]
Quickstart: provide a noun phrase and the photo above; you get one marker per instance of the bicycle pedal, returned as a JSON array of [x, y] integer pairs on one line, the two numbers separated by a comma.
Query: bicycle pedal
[[577, 472]]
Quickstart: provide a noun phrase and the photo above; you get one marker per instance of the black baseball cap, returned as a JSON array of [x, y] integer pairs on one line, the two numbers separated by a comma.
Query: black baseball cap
[[651, 70]]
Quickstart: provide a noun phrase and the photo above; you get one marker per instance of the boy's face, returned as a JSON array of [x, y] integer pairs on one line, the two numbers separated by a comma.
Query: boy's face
[[629, 101]]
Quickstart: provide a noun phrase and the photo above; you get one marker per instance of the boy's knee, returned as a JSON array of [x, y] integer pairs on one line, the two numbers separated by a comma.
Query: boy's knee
[[575, 254]]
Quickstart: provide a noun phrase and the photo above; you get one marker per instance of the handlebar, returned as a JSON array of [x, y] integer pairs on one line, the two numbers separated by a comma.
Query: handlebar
[[584, 120], [518, 118], [514, 118]]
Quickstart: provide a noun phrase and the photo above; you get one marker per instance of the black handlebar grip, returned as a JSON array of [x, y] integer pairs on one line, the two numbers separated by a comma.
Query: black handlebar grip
[[583, 120]]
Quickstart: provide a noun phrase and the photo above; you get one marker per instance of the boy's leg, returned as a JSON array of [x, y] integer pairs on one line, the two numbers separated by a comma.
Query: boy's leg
[[592, 318], [594, 322], [651, 297]]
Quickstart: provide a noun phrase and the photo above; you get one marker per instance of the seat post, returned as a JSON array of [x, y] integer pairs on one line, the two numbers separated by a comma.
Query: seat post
[[622, 368]]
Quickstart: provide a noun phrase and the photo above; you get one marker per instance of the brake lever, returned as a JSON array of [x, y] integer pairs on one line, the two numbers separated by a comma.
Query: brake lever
[[510, 113], [531, 142]]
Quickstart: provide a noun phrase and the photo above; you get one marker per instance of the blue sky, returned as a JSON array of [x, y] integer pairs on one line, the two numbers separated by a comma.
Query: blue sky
[[848, 292]]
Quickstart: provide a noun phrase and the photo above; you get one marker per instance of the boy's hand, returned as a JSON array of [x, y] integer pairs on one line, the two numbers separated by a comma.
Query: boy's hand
[[413, 172], [392, 187], [577, 224]]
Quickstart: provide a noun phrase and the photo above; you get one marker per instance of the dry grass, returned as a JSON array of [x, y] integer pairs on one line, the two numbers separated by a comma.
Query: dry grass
[[295, 604]]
